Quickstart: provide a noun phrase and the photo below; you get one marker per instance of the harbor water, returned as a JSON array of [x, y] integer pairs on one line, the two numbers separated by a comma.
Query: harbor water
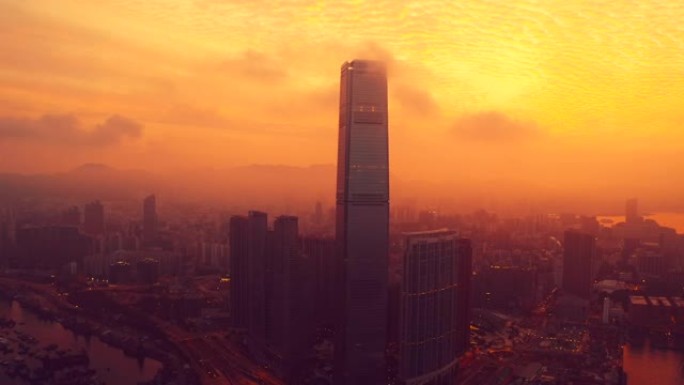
[[110, 365]]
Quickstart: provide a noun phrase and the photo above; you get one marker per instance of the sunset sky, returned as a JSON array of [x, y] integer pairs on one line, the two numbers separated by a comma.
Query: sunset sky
[[576, 95]]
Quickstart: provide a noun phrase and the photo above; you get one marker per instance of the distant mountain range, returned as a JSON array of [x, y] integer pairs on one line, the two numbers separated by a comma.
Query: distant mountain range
[[89, 181], [254, 184], [280, 188]]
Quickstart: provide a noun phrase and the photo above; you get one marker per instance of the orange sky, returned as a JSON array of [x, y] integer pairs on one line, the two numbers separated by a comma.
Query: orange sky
[[569, 95]]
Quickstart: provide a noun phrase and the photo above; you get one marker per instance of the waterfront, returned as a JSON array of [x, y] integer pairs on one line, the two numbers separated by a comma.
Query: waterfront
[[648, 366], [110, 364], [672, 220]]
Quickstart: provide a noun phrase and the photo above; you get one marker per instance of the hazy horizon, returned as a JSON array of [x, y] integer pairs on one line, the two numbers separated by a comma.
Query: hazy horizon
[[279, 188]]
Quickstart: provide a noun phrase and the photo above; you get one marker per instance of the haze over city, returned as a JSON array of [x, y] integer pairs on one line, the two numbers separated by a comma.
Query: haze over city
[[558, 106], [209, 192]]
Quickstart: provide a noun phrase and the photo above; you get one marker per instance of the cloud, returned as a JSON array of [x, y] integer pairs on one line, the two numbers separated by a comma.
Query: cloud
[[416, 100], [67, 130], [254, 65], [493, 126], [190, 115]]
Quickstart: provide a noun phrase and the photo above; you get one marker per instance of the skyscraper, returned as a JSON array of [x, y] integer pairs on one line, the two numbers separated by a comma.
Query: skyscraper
[[282, 254], [93, 218], [150, 220], [434, 316], [257, 233], [579, 251], [290, 302], [362, 228], [238, 272], [632, 210]]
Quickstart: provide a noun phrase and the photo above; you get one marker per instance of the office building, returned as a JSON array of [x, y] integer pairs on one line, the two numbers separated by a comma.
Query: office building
[[362, 224], [434, 315], [579, 252]]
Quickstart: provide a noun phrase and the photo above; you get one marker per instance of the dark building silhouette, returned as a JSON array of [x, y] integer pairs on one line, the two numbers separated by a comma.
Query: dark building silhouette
[[434, 315], [589, 225], [290, 304], [281, 252], [272, 291], [652, 262], [321, 252], [148, 271], [257, 232], [7, 237], [120, 272], [51, 247], [239, 278], [93, 219], [150, 221], [362, 228], [632, 211], [629, 246], [579, 251], [501, 286], [464, 270]]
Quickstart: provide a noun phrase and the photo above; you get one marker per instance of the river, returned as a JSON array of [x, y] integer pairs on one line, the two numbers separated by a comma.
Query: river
[[111, 365], [648, 366]]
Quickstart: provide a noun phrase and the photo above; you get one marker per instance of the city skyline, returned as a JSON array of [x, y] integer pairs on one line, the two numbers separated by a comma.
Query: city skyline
[[455, 226], [525, 92]]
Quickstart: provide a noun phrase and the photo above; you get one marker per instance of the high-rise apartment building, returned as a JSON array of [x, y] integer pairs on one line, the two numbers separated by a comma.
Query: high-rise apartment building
[[362, 228], [290, 299], [321, 252], [434, 316], [238, 272], [579, 251], [257, 233], [282, 254], [272, 291]]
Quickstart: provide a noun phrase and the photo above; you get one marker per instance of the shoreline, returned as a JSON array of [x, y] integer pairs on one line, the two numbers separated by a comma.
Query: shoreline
[[46, 306]]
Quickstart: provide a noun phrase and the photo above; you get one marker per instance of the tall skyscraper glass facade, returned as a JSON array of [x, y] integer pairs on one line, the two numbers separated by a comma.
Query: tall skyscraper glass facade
[[362, 229], [434, 316]]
